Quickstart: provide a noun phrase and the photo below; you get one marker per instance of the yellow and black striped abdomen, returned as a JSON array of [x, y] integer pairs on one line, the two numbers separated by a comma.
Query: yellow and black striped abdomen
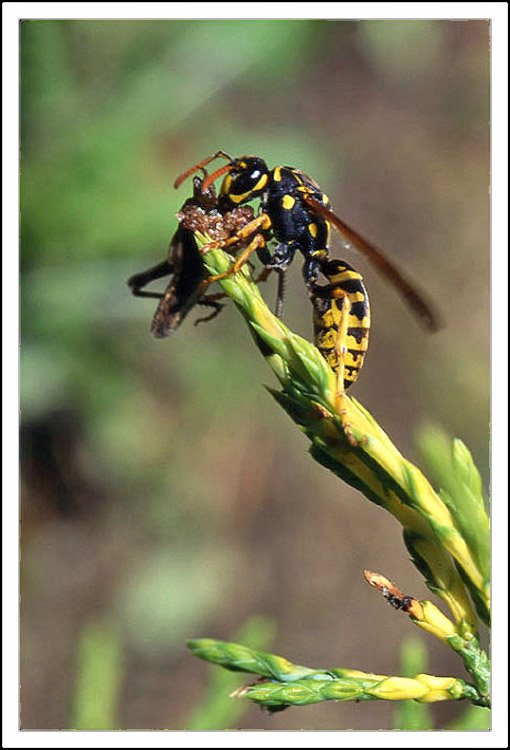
[[328, 301]]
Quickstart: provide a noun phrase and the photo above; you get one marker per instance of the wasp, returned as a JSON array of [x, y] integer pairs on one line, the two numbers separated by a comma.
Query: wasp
[[184, 263], [295, 214]]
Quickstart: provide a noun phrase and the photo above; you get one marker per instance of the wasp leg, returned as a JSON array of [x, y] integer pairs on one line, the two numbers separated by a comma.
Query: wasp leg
[[139, 280], [263, 275], [265, 257], [281, 288], [259, 245], [262, 222], [280, 294], [211, 300], [341, 351], [257, 242]]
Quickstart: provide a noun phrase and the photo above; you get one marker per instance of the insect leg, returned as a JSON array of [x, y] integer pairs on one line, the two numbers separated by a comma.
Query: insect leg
[[139, 280], [263, 275], [341, 351], [280, 294], [210, 301], [256, 242], [262, 222]]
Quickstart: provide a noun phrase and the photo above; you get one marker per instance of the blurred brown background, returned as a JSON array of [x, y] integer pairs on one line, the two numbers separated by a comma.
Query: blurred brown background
[[164, 494]]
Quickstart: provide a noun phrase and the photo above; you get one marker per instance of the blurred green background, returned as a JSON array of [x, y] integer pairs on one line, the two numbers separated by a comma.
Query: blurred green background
[[164, 495]]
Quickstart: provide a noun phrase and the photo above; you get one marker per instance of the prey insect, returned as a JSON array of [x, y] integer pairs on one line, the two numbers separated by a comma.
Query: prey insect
[[296, 214], [184, 264]]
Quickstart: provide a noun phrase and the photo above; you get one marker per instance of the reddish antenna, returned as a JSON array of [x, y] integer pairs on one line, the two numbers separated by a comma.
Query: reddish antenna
[[178, 182], [214, 176]]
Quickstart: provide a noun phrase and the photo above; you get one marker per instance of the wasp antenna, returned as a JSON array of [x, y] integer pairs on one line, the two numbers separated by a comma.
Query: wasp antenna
[[224, 155], [201, 164], [214, 176], [178, 182]]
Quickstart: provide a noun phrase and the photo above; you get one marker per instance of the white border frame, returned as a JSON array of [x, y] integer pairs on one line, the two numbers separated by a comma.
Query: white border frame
[[498, 14]]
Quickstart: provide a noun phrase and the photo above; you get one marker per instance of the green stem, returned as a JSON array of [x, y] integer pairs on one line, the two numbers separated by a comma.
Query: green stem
[[292, 684], [477, 664], [437, 529], [374, 466]]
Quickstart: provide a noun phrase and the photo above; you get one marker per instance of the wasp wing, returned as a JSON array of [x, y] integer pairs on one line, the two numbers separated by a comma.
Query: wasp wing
[[422, 308]]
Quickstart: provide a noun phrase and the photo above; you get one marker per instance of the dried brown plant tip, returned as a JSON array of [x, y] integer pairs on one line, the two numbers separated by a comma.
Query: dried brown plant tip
[[391, 593]]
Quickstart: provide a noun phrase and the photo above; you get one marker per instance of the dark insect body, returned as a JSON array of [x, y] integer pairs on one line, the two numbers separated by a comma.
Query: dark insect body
[[184, 263]]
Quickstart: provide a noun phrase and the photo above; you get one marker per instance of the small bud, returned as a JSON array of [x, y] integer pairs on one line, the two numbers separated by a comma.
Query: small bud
[[398, 689], [439, 688]]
